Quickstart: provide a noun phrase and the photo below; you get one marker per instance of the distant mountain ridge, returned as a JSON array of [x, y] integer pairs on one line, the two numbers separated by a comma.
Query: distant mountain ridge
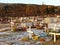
[[17, 10]]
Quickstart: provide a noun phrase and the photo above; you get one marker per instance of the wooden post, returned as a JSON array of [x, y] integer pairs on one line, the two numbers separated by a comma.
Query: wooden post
[[45, 28], [54, 37], [12, 25]]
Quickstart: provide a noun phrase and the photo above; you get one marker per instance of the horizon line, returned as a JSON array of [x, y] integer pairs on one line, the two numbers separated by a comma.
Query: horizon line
[[28, 3]]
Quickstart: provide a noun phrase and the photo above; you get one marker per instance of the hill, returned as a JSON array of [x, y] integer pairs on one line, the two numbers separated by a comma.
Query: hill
[[17, 10]]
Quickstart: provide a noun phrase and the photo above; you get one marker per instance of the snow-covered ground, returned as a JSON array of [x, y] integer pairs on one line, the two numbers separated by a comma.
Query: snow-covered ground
[[52, 25], [13, 37]]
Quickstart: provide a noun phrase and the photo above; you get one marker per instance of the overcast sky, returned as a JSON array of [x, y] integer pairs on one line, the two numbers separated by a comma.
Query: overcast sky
[[47, 2]]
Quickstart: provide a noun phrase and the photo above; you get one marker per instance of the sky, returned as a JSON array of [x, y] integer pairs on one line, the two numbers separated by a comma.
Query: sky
[[39, 2]]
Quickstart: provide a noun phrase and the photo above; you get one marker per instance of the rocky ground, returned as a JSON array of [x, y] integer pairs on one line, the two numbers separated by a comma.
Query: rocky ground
[[13, 38]]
